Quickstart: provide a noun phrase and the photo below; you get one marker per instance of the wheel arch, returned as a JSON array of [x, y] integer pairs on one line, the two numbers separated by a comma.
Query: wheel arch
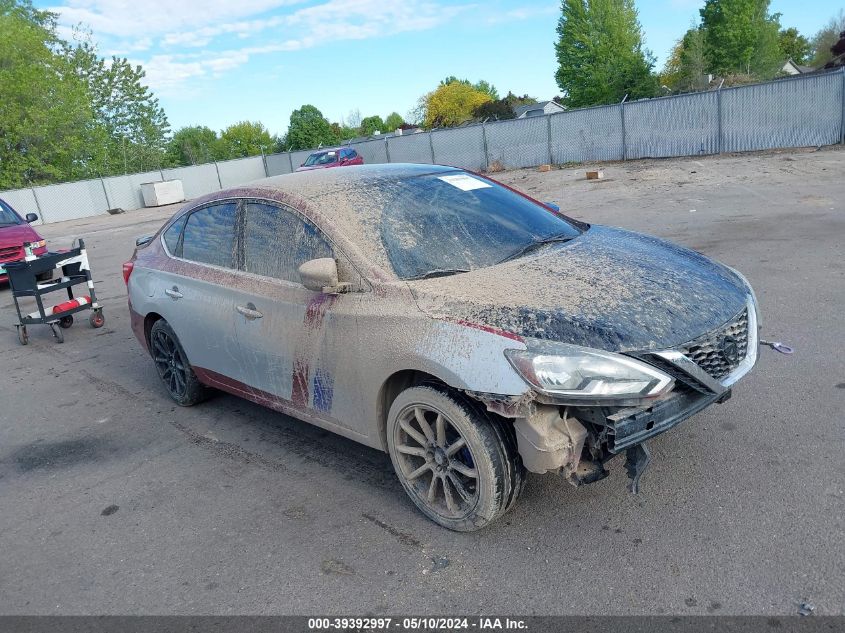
[[150, 320], [395, 384]]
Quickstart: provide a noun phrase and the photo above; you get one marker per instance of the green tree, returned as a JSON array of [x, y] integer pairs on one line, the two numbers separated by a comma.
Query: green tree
[[794, 46], [826, 38], [246, 138], [371, 124], [514, 101], [741, 37], [452, 104], [670, 75], [344, 132], [45, 111], [193, 145], [686, 68], [497, 110], [309, 128], [393, 121], [600, 53], [131, 124], [481, 86], [487, 88]]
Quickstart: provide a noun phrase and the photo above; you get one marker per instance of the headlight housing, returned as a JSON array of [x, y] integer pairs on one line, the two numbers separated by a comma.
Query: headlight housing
[[750, 291], [580, 373]]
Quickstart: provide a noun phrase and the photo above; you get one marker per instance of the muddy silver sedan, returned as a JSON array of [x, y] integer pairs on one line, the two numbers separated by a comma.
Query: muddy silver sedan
[[468, 330]]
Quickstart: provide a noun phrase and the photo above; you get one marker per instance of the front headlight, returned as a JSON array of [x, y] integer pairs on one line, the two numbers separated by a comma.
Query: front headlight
[[581, 373]]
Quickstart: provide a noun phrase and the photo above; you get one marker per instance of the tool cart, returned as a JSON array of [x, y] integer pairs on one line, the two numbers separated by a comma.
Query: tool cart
[[23, 280]]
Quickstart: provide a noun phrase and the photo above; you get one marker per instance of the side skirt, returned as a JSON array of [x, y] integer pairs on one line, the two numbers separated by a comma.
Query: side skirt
[[236, 388]]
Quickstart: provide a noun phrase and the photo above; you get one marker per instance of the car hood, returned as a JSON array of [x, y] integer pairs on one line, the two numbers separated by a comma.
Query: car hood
[[608, 289], [17, 234]]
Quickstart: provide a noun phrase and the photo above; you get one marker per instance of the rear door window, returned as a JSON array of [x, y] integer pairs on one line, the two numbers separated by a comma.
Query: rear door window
[[209, 236], [172, 235], [277, 241]]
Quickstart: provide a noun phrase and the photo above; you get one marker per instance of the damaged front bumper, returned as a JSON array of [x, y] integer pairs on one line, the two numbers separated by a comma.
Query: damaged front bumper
[[627, 427], [576, 439], [576, 442]]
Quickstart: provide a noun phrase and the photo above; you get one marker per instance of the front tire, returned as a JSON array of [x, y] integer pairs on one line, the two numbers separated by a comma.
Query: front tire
[[459, 465], [173, 367]]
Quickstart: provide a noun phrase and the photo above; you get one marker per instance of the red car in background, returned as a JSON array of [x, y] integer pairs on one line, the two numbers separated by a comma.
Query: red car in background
[[14, 232], [334, 157]]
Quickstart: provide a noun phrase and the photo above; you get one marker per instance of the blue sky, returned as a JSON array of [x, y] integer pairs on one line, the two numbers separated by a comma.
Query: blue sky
[[216, 62]]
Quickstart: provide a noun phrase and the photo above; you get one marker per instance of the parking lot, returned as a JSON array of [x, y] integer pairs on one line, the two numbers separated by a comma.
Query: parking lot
[[114, 500]]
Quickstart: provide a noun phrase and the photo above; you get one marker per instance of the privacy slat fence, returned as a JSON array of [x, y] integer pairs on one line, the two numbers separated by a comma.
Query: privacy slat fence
[[801, 111]]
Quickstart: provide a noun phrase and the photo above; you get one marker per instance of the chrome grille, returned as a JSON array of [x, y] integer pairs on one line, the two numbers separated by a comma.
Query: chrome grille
[[720, 352], [11, 253]]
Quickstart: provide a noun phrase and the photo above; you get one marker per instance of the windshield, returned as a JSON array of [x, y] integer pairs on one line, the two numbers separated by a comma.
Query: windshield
[[451, 222], [321, 158], [7, 216]]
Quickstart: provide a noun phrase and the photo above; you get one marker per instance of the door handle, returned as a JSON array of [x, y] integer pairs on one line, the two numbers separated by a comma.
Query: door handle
[[173, 293], [249, 311]]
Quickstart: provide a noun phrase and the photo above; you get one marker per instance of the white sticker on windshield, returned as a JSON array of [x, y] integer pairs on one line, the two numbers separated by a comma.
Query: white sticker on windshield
[[464, 182]]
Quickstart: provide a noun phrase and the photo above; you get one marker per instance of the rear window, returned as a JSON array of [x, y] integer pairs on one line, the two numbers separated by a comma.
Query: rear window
[[172, 234], [209, 236]]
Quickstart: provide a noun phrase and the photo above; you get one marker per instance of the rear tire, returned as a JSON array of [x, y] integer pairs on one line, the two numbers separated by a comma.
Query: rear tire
[[173, 367], [459, 465]]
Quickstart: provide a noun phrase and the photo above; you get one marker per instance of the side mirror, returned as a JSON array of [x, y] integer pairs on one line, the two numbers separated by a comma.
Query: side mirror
[[552, 206], [31, 217], [141, 241], [320, 275]]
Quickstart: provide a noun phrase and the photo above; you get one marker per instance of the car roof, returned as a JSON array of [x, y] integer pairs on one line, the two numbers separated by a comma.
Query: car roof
[[366, 174]]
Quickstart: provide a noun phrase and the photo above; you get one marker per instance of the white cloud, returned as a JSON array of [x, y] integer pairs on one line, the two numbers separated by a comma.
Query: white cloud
[[523, 13], [185, 30], [126, 19], [335, 19], [168, 73]]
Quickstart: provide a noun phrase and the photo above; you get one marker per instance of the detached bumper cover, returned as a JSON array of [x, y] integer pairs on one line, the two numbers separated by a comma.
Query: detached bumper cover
[[701, 383], [631, 426]]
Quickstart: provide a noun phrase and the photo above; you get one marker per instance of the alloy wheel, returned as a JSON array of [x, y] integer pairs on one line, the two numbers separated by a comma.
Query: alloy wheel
[[435, 460], [170, 363]]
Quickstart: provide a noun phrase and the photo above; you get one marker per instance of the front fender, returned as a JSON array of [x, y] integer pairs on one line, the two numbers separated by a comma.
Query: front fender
[[464, 356]]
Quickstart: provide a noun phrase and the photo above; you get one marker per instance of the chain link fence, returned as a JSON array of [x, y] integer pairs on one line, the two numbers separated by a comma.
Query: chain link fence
[[801, 111], [583, 135], [413, 148], [685, 125]]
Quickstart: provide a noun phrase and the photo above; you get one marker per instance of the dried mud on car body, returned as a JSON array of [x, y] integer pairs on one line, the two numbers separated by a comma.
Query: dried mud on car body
[[607, 289]]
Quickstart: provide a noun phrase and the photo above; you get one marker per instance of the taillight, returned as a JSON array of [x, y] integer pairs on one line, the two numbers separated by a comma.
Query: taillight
[[127, 270]]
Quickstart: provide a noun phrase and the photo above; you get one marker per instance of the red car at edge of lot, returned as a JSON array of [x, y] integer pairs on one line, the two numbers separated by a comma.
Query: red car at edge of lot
[[15, 231], [331, 157]]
